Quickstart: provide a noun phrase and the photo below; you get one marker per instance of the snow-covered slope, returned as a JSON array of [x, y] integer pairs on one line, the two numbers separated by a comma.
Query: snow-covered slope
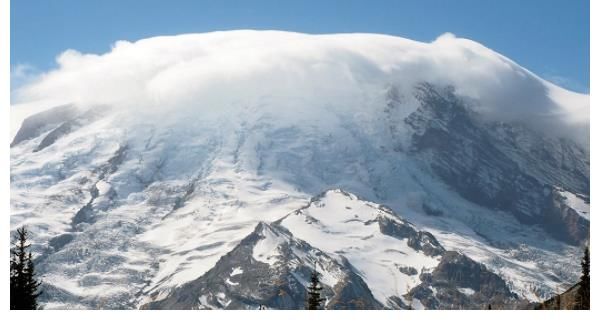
[[338, 222], [163, 154], [368, 258], [271, 268]]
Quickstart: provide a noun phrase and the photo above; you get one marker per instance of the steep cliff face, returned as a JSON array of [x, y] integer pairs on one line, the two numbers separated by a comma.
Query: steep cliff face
[[42, 122], [566, 300], [500, 166], [458, 282]]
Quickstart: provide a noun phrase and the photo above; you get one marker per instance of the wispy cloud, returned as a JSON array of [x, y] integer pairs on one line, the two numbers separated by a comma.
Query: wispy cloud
[[567, 83], [22, 74]]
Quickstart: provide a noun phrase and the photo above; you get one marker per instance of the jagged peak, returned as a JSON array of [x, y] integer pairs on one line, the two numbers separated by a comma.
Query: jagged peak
[[264, 228]]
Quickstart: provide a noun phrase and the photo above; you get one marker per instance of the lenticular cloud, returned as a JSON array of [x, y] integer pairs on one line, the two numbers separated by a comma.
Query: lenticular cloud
[[222, 72]]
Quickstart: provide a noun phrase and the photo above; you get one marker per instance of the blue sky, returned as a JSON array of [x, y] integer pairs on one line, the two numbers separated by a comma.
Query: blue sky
[[549, 37]]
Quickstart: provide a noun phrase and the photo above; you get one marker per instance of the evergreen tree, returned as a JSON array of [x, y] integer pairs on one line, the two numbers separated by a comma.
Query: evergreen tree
[[23, 284], [314, 300], [583, 293]]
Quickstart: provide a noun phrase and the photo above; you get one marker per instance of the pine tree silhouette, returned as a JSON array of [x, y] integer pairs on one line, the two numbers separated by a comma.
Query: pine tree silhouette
[[314, 300], [583, 293], [23, 284]]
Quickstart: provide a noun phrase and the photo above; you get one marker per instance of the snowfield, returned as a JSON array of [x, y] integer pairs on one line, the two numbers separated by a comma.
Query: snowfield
[[340, 223], [181, 145]]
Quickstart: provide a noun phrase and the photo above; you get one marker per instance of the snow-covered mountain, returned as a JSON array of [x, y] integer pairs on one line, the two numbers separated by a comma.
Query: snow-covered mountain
[[368, 258], [165, 164]]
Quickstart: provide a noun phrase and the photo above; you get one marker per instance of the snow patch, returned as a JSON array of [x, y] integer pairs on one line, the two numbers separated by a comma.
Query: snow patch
[[267, 248], [577, 203], [466, 291], [228, 281], [236, 271], [103, 187]]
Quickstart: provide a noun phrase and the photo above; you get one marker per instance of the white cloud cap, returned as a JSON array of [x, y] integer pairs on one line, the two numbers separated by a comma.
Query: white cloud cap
[[215, 72]]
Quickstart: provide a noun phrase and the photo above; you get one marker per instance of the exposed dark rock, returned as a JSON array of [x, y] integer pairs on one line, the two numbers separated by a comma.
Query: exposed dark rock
[[59, 241], [68, 126], [564, 300], [410, 271], [86, 213], [484, 164], [35, 125], [458, 282], [50, 138], [418, 240], [563, 217]]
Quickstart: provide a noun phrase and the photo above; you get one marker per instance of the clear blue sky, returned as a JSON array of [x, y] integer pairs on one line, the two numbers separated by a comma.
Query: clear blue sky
[[549, 37]]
